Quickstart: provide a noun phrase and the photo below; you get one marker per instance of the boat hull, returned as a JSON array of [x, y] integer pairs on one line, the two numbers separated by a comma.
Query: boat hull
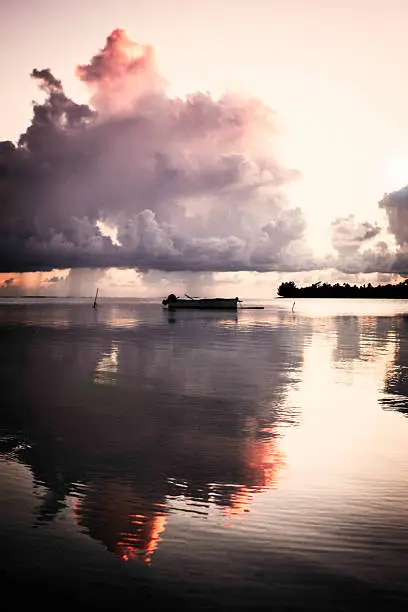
[[209, 304]]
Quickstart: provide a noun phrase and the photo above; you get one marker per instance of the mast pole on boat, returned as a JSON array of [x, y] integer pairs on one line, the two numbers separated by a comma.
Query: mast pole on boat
[[96, 297]]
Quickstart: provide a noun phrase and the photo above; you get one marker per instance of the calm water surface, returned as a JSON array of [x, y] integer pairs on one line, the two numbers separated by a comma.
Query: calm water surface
[[205, 460]]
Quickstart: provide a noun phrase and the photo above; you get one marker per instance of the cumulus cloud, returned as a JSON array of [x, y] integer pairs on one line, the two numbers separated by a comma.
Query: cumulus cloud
[[359, 247], [395, 205], [189, 184], [349, 235], [377, 258], [121, 74]]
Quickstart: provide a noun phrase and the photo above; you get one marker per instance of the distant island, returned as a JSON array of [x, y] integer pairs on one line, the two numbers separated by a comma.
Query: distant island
[[325, 290]]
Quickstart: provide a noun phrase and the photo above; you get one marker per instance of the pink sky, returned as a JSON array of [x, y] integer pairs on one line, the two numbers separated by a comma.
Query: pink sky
[[333, 71]]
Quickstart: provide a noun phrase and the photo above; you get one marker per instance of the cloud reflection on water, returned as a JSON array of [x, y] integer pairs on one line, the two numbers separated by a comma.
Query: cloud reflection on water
[[132, 422], [134, 413]]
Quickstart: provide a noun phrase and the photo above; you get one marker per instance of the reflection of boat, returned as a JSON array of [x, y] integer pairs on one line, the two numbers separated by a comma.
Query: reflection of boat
[[204, 315], [173, 302]]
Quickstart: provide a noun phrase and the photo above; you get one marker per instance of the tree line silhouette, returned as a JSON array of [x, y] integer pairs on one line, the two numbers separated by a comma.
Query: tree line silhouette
[[325, 290]]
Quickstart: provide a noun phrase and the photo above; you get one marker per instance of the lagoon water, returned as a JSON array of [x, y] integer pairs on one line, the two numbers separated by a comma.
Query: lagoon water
[[206, 460]]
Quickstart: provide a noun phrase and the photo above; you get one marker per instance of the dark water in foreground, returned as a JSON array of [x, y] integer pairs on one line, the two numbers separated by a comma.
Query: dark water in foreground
[[205, 460]]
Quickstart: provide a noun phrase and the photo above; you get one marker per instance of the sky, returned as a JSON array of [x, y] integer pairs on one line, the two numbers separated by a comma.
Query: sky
[[215, 147]]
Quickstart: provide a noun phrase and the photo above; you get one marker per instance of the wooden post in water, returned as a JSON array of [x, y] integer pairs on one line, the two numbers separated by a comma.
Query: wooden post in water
[[96, 296]]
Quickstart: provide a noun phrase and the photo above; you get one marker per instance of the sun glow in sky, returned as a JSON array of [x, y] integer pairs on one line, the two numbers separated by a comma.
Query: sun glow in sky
[[396, 172], [333, 72]]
